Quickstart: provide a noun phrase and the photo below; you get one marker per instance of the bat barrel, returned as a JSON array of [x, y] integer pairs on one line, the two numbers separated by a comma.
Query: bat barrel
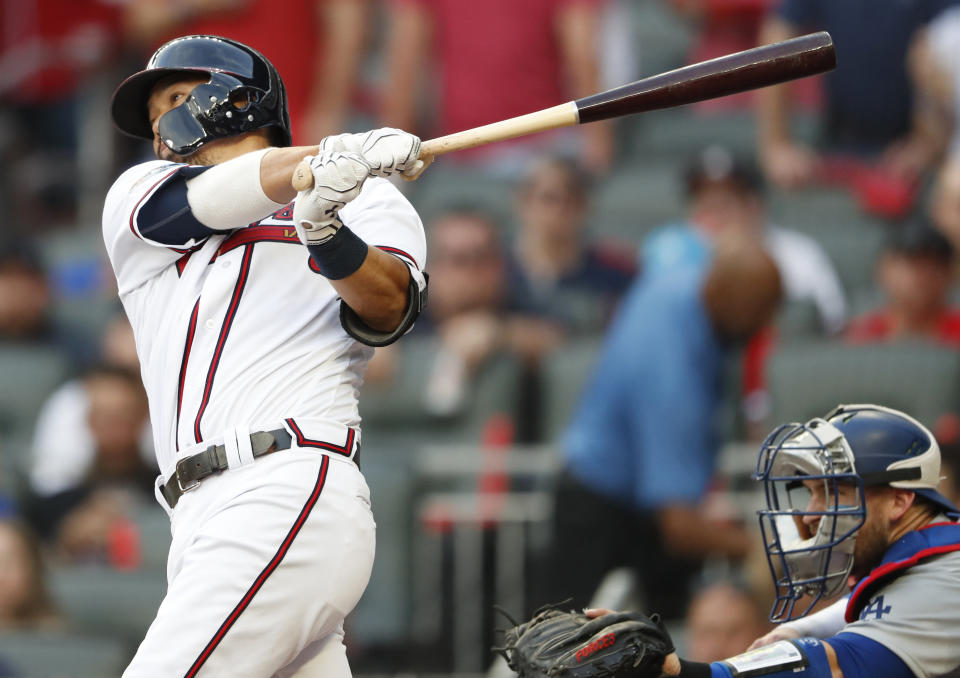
[[757, 67]]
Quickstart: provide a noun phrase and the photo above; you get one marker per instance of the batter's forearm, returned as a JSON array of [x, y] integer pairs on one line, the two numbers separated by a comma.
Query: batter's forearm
[[276, 171], [377, 291]]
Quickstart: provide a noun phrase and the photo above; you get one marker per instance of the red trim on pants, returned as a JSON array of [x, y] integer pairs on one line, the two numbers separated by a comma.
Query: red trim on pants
[[267, 571]]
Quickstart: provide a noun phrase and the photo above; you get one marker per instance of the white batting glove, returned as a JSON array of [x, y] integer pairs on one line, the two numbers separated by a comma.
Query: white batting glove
[[386, 150], [337, 179]]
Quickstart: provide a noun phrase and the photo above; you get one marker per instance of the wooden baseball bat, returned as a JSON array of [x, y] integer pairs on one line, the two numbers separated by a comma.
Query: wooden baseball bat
[[750, 69]]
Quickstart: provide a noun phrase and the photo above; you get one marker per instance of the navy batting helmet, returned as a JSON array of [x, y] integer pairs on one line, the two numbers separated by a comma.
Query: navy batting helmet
[[244, 93], [855, 445]]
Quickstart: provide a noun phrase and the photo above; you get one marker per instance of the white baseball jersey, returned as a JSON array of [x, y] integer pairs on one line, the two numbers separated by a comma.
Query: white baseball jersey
[[236, 333], [237, 329]]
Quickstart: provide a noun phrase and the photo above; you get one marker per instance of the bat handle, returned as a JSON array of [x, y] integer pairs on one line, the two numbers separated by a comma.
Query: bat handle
[[302, 179]]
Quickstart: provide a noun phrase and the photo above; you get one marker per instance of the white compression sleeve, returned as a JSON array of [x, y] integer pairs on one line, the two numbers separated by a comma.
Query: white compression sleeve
[[823, 624], [229, 195]]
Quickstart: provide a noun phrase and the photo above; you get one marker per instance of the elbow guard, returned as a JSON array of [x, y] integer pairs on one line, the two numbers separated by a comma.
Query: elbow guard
[[416, 302]]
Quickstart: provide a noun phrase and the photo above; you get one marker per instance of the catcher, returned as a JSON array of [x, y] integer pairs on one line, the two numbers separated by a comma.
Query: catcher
[[851, 502]]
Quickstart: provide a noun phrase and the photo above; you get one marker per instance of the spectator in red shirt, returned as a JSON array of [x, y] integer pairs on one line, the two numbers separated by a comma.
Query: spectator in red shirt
[[915, 273], [496, 59]]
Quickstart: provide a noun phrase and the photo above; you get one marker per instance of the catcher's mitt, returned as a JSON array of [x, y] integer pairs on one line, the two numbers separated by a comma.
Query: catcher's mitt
[[562, 644]]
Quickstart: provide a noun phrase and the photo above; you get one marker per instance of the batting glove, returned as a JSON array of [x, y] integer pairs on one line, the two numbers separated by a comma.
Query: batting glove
[[386, 150], [337, 179]]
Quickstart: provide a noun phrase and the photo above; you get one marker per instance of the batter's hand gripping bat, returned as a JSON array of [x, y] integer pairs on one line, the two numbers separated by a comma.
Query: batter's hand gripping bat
[[750, 69]]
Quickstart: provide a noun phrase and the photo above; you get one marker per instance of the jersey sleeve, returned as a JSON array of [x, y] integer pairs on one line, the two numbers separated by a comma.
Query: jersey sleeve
[[140, 242], [914, 617], [383, 218]]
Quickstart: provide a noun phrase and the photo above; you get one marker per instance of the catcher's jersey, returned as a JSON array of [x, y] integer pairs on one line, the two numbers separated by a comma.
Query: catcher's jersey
[[237, 329], [917, 616]]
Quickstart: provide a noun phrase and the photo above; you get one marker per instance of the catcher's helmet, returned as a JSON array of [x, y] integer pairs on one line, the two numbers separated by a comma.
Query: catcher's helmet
[[856, 445], [244, 93]]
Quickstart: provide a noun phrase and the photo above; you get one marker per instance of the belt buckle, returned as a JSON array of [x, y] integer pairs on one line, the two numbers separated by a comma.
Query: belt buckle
[[193, 483]]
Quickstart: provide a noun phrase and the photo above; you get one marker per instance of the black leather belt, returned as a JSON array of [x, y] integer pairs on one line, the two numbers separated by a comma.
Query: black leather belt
[[191, 470]]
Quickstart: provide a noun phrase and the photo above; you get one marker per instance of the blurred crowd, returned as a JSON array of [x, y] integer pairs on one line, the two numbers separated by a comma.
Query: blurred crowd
[[629, 294]]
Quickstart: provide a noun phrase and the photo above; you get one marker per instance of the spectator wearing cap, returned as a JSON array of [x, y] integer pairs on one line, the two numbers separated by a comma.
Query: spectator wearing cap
[[725, 193], [914, 272]]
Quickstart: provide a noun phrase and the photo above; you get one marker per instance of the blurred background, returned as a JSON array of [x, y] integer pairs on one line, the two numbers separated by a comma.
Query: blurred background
[[618, 316]]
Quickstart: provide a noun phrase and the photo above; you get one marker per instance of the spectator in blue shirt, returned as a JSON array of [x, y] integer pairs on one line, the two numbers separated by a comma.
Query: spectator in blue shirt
[[640, 450]]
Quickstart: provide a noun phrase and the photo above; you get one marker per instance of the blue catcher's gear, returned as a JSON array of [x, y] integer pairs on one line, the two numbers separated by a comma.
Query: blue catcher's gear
[[244, 93], [853, 447]]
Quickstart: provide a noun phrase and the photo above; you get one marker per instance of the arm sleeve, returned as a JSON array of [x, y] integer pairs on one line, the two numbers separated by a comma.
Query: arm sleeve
[[858, 658], [823, 623]]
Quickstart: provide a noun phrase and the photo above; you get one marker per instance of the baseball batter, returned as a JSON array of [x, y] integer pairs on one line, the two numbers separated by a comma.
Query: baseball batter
[[869, 517], [254, 311]]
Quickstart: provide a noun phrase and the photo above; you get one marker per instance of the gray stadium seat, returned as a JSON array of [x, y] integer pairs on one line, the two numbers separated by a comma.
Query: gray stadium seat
[[399, 405], [637, 199], [565, 374], [681, 133], [108, 602], [153, 526], [59, 655], [807, 380], [444, 187], [28, 375], [384, 610], [77, 263]]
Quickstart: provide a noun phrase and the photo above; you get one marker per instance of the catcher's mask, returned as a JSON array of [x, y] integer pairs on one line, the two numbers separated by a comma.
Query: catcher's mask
[[244, 93], [831, 460]]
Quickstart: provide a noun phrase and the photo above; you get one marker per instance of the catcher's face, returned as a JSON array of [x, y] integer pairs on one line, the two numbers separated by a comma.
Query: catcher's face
[[873, 537]]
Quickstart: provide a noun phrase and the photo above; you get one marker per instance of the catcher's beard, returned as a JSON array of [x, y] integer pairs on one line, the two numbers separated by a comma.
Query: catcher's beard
[[872, 540]]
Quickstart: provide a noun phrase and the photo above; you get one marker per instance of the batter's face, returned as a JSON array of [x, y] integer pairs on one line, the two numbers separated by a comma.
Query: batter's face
[[167, 95]]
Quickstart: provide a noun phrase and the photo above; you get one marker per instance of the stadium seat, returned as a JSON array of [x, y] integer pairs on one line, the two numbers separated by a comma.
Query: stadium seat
[[807, 380], [450, 186], [681, 133], [108, 602], [565, 374], [153, 527], [399, 404], [383, 612], [29, 375], [47, 654], [637, 199], [84, 295]]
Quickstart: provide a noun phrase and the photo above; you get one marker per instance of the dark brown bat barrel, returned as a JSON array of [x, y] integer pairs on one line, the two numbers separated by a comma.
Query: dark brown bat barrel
[[738, 72]]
